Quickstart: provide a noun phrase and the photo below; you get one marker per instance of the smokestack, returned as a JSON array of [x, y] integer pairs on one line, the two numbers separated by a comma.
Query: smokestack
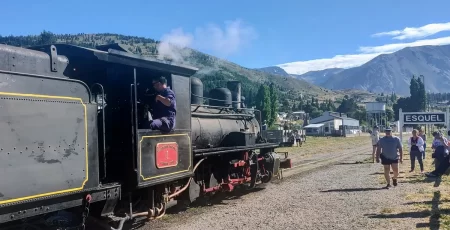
[[235, 88]]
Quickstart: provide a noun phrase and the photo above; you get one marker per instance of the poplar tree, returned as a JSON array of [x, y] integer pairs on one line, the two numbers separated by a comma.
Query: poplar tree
[[263, 103], [273, 104]]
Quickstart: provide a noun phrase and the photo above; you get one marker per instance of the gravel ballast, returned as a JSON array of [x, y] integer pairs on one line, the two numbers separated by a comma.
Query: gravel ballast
[[345, 195]]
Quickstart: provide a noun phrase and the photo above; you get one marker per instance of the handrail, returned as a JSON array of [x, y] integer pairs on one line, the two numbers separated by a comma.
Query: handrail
[[103, 125]]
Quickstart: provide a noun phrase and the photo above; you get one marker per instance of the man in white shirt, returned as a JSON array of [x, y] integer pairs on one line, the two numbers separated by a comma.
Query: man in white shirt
[[375, 135]]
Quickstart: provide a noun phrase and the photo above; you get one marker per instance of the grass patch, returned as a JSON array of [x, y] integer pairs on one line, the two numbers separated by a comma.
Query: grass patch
[[387, 210], [314, 145], [367, 160]]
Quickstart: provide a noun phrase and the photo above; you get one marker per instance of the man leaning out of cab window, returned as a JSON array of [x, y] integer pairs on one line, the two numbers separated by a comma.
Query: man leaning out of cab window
[[164, 111]]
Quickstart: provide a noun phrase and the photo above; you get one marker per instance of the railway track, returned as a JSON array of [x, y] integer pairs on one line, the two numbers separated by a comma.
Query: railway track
[[324, 160]]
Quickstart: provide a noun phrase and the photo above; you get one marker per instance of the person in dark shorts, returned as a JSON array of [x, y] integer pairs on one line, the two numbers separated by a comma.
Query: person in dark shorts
[[298, 139], [387, 148]]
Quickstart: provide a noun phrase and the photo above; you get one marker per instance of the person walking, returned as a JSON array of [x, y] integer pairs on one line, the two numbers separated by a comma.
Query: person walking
[[416, 149], [424, 138], [298, 138], [387, 148], [375, 136]]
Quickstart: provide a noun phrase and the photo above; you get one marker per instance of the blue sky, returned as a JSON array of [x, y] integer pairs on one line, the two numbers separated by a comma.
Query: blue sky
[[258, 33]]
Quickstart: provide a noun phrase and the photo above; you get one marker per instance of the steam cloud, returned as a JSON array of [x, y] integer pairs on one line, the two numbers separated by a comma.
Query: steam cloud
[[211, 39]]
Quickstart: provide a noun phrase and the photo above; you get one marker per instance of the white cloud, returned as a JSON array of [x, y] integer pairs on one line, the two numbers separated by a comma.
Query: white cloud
[[210, 38], [389, 48], [416, 32], [338, 61], [366, 53]]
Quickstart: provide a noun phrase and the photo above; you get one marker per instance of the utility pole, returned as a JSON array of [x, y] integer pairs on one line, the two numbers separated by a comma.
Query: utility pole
[[426, 97], [426, 100]]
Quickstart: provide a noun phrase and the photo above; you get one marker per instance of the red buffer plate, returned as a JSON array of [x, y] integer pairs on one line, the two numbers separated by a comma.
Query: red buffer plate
[[166, 155]]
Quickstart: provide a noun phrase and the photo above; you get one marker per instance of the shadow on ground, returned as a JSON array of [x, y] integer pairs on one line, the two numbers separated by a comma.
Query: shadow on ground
[[216, 199], [353, 163], [382, 173], [434, 214], [422, 179], [352, 190]]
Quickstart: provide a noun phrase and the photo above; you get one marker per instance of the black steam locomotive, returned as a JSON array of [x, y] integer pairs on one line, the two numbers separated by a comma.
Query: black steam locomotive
[[72, 138]]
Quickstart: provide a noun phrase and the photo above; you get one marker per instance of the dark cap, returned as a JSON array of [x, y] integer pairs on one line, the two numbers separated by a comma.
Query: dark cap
[[387, 129]]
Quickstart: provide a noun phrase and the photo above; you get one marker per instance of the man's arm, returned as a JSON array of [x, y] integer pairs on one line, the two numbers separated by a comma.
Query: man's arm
[[167, 101], [400, 149], [378, 150]]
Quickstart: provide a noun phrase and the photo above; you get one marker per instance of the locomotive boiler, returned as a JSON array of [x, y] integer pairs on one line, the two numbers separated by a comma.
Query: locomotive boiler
[[211, 124], [72, 138]]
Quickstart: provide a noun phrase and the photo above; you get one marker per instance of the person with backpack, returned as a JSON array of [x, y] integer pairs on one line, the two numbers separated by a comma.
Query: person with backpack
[[440, 155], [416, 148]]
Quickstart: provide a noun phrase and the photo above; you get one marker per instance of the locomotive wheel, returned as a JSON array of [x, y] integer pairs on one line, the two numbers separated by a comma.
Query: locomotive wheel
[[268, 178]]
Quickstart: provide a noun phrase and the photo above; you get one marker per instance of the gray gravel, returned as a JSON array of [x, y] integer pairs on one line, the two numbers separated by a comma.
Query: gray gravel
[[342, 196]]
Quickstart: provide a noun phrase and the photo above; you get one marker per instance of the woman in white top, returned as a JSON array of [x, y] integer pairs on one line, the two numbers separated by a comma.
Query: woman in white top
[[416, 148]]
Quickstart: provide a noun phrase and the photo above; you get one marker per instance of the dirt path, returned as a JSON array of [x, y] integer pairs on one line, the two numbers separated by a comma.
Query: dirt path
[[345, 195]]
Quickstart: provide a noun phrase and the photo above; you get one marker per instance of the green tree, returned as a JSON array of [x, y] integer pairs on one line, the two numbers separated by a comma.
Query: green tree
[[47, 37], [348, 105], [403, 103], [414, 89], [422, 96], [263, 103], [273, 104]]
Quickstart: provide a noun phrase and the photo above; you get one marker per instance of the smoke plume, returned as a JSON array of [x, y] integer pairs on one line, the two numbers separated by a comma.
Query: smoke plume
[[211, 39]]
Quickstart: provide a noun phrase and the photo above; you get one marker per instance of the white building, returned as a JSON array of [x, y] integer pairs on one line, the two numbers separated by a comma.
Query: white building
[[333, 122]]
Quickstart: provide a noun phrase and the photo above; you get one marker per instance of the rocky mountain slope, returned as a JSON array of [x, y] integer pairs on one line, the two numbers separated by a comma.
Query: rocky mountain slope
[[392, 72], [274, 70], [318, 77]]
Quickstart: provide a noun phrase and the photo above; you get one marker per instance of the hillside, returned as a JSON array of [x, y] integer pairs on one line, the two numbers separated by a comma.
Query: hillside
[[318, 77], [392, 72], [214, 72], [274, 70]]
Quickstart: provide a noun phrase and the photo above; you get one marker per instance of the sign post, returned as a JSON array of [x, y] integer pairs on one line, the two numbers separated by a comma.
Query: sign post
[[422, 118], [400, 117]]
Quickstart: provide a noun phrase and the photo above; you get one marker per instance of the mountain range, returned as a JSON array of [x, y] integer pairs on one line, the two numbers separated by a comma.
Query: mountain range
[[388, 73]]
